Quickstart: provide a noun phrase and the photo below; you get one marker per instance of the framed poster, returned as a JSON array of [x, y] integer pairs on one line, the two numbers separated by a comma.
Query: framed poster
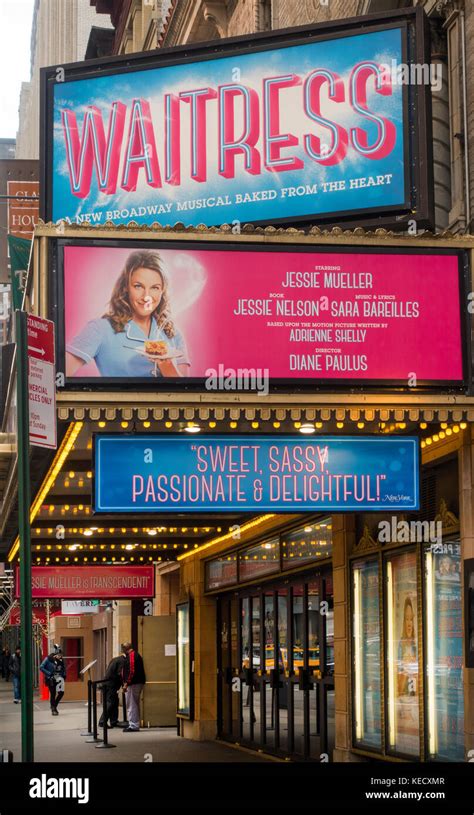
[[403, 654], [323, 123], [367, 649], [185, 659]]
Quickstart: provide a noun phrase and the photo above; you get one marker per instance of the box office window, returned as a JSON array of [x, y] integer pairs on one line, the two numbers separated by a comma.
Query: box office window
[[259, 560], [366, 653], [221, 572], [307, 543], [444, 651]]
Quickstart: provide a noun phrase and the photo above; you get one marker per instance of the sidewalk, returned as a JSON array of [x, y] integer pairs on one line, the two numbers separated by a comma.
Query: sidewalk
[[57, 738]]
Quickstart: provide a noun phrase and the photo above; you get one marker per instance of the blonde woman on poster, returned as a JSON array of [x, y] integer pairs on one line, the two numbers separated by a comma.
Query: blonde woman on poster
[[407, 652], [407, 739], [137, 336]]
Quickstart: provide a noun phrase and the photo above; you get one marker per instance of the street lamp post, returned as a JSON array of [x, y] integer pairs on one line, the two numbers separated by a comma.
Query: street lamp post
[[24, 503]]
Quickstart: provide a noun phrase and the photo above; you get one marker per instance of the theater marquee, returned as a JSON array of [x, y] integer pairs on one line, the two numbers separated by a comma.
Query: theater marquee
[[301, 125]]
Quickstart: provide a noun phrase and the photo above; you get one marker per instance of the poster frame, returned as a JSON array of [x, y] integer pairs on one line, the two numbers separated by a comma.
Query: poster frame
[[172, 240]]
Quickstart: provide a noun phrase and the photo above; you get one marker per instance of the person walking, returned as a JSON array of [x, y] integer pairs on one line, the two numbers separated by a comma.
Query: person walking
[[2, 663], [112, 684], [133, 678], [15, 670], [6, 664], [54, 670]]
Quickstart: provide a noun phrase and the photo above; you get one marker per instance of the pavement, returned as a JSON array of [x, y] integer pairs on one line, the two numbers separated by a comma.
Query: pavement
[[58, 738]]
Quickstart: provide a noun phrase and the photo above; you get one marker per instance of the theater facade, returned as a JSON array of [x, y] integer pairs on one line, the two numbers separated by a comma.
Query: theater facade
[[313, 542]]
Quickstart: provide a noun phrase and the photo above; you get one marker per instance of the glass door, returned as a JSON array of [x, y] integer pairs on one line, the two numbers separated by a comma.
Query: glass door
[[276, 668]]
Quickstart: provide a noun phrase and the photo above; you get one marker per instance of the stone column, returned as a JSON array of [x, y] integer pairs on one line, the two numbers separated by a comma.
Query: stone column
[[204, 726], [343, 529]]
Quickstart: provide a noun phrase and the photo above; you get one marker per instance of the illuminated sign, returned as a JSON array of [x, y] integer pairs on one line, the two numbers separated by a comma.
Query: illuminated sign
[[150, 473], [303, 125], [284, 314]]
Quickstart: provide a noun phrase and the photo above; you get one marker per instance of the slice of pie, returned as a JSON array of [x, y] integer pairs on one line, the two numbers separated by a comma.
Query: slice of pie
[[156, 348]]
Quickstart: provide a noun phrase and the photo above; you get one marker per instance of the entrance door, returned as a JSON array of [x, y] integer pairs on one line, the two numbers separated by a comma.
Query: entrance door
[[276, 668]]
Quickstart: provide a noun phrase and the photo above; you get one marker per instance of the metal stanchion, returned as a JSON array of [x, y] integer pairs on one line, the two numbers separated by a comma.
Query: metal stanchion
[[94, 738], [105, 742], [88, 732]]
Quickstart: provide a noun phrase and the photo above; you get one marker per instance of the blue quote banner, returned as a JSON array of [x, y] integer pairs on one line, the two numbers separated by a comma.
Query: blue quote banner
[[151, 473]]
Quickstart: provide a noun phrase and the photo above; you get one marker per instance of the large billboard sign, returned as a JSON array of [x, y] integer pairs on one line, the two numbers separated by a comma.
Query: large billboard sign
[[327, 123], [151, 473], [178, 314], [90, 582]]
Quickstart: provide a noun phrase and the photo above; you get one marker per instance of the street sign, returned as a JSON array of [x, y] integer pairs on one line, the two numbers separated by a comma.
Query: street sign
[[41, 382]]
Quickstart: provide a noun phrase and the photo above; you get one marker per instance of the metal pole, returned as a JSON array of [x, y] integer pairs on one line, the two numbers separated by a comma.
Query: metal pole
[[105, 742], [94, 738], [24, 502], [89, 707]]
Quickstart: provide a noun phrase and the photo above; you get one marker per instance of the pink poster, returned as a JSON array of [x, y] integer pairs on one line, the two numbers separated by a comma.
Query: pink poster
[[295, 315]]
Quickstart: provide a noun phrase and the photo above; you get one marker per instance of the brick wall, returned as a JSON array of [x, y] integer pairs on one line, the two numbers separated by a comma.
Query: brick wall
[[288, 13]]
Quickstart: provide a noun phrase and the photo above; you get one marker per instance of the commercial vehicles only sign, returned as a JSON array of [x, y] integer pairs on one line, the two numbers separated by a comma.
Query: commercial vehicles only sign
[[41, 382]]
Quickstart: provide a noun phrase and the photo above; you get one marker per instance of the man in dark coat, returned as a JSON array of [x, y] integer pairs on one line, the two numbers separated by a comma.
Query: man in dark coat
[[112, 684], [15, 670]]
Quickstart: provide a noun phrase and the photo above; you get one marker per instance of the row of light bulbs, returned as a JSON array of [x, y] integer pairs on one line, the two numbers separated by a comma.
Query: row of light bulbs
[[445, 431], [95, 559], [303, 427], [152, 531], [127, 546]]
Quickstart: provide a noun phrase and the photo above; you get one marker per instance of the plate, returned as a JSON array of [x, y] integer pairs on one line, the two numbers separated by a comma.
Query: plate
[[156, 358]]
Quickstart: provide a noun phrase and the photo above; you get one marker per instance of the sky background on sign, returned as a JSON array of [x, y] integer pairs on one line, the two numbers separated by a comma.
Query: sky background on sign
[[338, 55], [15, 33]]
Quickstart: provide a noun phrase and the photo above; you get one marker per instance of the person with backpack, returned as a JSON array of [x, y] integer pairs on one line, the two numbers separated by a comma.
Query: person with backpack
[[54, 670]]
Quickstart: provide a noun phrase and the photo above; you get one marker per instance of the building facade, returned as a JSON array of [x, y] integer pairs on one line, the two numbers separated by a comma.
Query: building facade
[[59, 34], [323, 636]]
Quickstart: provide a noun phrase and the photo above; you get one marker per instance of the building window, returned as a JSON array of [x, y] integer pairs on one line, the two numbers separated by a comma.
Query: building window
[[286, 550], [221, 572], [307, 543], [261, 559], [73, 655]]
